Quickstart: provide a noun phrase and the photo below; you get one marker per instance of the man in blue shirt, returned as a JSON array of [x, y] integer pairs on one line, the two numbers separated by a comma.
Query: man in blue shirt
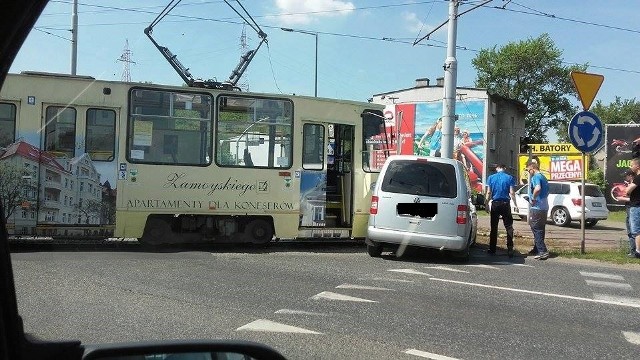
[[500, 190], [538, 208]]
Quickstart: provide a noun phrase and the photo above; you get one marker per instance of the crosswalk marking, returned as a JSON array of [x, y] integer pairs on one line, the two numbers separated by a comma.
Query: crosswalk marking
[[428, 355], [410, 271], [390, 279], [362, 287], [632, 337], [299, 312], [512, 264], [335, 296], [602, 275], [597, 283], [272, 326], [446, 269]]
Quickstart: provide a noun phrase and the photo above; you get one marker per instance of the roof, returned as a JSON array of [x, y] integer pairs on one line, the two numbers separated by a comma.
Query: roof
[[31, 152]]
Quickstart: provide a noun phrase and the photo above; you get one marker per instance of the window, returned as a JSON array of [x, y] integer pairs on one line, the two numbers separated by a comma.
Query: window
[[101, 134], [7, 124], [421, 178], [376, 141], [254, 132], [168, 127], [313, 147], [60, 130]]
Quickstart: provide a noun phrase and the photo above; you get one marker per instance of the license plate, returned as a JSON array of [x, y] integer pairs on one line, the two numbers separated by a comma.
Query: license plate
[[596, 204]]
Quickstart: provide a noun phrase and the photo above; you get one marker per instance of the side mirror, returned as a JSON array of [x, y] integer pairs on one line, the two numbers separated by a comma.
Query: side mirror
[[526, 197]]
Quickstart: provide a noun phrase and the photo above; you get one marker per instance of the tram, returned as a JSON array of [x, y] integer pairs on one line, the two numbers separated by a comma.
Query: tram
[[172, 165]]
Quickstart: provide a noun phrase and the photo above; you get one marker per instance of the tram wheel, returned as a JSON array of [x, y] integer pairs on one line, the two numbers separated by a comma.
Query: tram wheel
[[258, 231], [155, 232]]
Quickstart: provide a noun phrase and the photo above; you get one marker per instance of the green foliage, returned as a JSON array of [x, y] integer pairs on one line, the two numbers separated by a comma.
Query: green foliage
[[530, 71], [596, 176], [618, 112]]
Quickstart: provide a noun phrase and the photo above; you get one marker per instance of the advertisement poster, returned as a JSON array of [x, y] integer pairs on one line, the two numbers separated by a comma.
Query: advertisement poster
[[559, 167], [619, 141]]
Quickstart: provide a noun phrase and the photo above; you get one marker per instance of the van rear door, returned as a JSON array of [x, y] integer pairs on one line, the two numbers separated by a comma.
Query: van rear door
[[418, 195]]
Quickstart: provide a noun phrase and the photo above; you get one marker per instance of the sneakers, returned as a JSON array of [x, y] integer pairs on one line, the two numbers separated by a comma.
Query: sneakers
[[637, 254], [542, 256], [533, 252]]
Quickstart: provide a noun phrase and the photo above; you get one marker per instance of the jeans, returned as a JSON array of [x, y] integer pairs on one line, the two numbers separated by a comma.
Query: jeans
[[537, 222], [500, 208], [632, 239]]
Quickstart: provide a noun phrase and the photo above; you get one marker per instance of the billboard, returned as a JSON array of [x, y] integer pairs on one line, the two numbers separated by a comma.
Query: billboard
[[558, 162], [619, 140]]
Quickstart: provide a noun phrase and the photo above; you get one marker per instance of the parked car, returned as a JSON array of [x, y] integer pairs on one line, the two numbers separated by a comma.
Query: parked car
[[422, 201], [565, 203]]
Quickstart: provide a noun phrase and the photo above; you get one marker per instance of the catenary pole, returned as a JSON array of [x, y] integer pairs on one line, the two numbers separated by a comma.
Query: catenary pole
[[450, 83], [74, 38]]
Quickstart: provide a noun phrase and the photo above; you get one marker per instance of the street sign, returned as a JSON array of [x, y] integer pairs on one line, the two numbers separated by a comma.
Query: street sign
[[587, 86], [585, 131]]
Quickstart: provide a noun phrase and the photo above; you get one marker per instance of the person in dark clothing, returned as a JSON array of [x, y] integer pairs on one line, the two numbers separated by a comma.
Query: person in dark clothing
[[500, 191], [633, 192], [628, 179]]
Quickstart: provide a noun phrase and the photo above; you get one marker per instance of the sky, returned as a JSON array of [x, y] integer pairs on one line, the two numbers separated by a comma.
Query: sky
[[365, 47]]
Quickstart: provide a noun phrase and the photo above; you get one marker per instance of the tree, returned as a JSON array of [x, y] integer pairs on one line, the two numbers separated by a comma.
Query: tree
[[618, 112], [12, 187], [88, 208], [530, 71]]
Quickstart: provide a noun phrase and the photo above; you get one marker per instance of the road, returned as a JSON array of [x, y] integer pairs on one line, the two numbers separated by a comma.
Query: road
[[335, 302], [605, 234]]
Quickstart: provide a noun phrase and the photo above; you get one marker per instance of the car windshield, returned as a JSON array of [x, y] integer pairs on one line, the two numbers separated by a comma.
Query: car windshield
[[178, 170]]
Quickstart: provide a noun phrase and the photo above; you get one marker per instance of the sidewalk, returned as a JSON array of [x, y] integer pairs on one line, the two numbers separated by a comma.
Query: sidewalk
[[604, 235]]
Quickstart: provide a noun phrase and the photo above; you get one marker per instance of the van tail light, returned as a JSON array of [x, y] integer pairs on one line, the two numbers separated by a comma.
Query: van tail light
[[461, 218], [577, 201], [374, 205]]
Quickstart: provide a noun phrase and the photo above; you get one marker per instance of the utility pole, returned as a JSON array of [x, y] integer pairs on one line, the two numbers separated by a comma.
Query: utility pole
[[450, 83], [244, 85], [74, 37], [126, 59]]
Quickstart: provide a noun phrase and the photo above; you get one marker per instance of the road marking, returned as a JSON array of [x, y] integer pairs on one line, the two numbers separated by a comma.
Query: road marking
[[410, 271], [512, 264], [272, 326], [428, 355], [446, 269], [619, 299], [299, 312], [335, 296], [389, 279], [540, 293], [632, 337], [602, 275], [362, 287], [616, 285], [484, 266]]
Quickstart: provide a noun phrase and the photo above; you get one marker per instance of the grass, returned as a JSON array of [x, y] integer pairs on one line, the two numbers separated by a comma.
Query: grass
[[613, 256]]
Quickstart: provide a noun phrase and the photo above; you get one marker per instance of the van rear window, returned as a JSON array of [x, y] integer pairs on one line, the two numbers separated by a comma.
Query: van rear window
[[420, 178]]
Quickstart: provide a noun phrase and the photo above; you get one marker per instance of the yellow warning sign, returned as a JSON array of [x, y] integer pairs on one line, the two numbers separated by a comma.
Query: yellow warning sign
[[587, 86]]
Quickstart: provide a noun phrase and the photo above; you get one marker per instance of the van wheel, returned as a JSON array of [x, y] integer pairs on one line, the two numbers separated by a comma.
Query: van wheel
[[590, 223], [374, 250], [560, 216]]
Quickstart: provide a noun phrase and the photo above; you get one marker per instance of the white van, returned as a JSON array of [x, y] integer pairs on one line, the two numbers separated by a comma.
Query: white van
[[422, 201]]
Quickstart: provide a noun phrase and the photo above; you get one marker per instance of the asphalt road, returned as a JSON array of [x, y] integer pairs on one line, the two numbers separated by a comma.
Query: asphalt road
[[335, 302]]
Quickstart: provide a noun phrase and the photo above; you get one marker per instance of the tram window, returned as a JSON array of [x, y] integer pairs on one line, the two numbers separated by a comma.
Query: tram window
[[60, 131], [254, 132], [313, 147], [375, 141], [167, 127], [7, 124], [101, 134]]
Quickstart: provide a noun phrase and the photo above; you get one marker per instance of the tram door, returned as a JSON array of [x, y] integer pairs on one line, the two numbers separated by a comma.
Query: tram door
[[326, 182]]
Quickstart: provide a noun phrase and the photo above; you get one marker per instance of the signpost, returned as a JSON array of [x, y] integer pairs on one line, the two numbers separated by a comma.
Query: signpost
[[585, 128]]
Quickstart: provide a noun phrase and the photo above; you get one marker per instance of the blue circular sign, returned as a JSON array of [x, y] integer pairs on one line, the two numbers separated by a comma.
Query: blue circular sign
[[585, 131]]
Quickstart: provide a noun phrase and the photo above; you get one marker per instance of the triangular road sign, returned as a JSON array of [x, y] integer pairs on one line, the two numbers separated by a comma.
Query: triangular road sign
[[587, 86]]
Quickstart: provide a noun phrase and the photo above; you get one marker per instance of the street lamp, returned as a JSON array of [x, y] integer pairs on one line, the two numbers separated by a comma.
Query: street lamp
[[316, 35]]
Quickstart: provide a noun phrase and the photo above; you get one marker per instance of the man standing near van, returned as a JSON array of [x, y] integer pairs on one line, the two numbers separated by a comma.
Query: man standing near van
[[538, 208], [500, 190]]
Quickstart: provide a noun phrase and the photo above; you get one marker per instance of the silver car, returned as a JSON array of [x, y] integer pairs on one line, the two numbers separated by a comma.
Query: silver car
[[422, 201]]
